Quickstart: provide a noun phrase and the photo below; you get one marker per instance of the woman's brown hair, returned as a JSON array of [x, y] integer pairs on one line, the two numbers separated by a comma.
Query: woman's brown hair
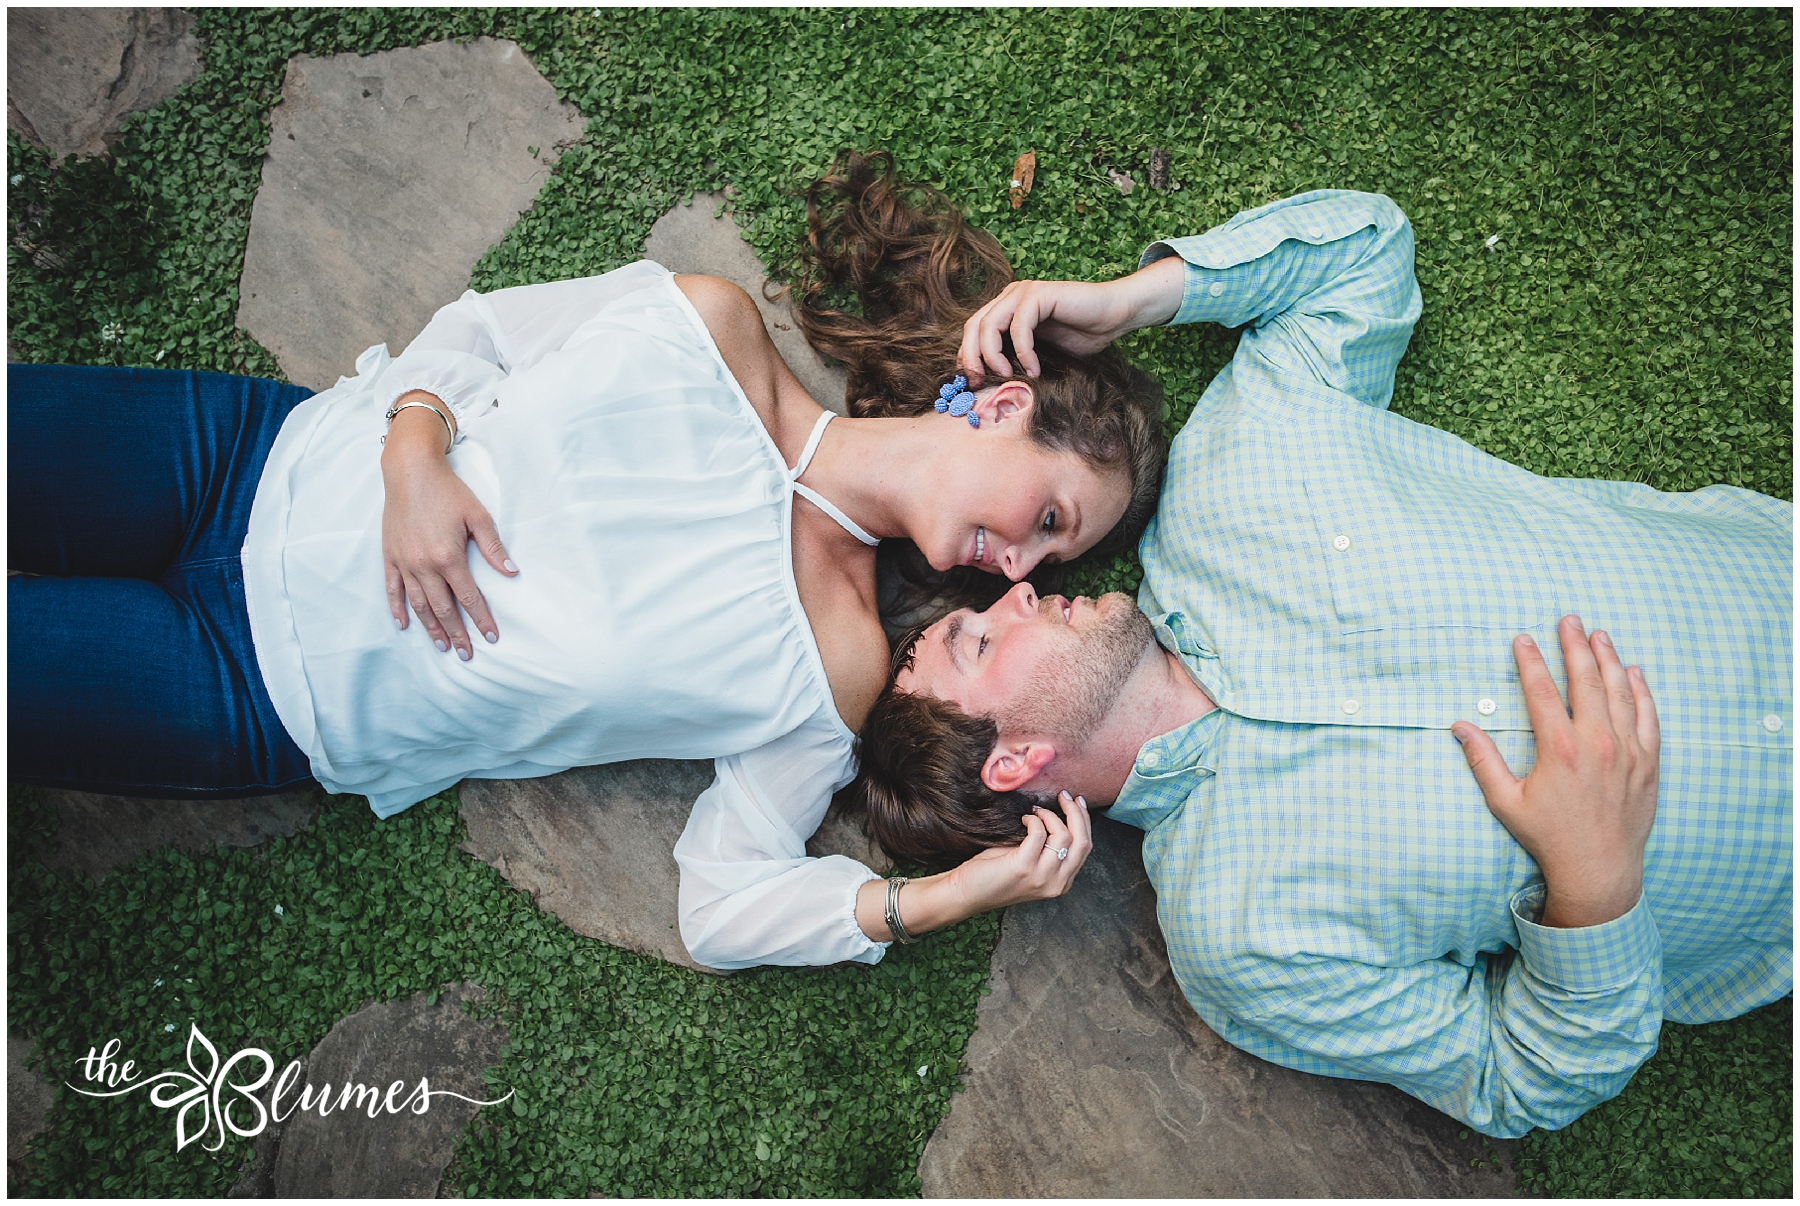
[[917, 271], [890, 273]]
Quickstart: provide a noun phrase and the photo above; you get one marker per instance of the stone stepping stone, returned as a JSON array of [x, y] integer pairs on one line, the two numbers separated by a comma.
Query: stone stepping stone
[[99, 833], [595, 845], [28, 1101], [73, 75], [388, 176], [1089, 1075], [348, 1154], [700, 238]]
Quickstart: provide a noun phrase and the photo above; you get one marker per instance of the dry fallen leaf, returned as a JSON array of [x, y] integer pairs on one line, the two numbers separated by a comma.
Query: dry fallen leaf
[[1023, 170], [1159, 169]]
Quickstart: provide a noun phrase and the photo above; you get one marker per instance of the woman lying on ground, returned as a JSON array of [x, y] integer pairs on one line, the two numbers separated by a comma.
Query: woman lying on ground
[[634, 442]]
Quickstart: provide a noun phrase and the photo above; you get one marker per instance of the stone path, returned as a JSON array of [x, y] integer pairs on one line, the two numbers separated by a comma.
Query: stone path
[[375, 1152], [1090, 1075], [387, 178], [73, 75], [28, 1101], [97, 833], [595, 845]]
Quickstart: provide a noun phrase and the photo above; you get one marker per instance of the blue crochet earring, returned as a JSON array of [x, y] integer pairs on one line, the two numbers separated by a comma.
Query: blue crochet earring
[[955, 398]]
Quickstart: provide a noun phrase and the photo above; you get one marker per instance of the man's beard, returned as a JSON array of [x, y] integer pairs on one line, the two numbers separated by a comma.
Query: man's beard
[[1073, 692]]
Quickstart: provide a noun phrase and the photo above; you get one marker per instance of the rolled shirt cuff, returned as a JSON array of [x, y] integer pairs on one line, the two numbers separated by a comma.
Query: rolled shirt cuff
[[1592, 958], [1214, 286]]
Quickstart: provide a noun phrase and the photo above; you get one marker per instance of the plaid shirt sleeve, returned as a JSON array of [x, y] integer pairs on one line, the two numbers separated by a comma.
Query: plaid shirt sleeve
[[1511, 1043], [1324, 280]]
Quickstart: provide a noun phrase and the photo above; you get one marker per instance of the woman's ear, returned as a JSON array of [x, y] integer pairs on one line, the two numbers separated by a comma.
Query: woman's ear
[[1008, 400], [1011, 766]]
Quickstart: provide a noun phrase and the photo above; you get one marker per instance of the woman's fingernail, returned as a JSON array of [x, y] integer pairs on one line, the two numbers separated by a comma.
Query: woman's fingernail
[[397, 623], [442, 647], [491, 637], [1458, 734], [510, 567], [1079, 800], [1063, 795], [1525, 637], [1604, 639], [462, 653]]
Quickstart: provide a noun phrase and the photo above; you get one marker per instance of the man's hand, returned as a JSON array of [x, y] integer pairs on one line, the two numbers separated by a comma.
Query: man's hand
[[1585, 810], [427, 520], [1078, 317]]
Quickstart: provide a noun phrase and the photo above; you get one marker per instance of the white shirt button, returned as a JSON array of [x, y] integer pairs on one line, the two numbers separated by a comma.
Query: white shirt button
[[1772, 723], [1486, 707], [1351, 707], [1216, 288], [1151, 759], [1315, 233], [1340, 543]]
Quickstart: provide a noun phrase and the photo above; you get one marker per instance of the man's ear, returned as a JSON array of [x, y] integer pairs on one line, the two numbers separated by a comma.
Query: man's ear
[[1009, 400], [1011, 766]]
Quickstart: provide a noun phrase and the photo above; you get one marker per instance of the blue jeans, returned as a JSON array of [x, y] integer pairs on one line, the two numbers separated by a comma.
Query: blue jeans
[[130, 668]]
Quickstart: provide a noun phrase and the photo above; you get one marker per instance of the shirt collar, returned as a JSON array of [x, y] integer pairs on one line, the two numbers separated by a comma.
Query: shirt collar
[[1167, 770]]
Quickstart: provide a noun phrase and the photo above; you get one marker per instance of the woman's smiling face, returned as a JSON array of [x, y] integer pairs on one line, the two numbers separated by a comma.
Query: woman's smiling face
[[1009, 503]]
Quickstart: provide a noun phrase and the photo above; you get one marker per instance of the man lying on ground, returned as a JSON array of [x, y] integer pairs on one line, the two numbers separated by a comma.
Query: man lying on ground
[[1331, 603]]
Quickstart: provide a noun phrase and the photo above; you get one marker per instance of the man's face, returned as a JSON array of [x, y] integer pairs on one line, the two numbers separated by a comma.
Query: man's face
[[1050, 668]]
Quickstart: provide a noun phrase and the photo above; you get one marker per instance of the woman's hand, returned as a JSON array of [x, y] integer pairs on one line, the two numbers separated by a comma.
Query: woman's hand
[[993, 879], [1079, 317], [1007, 875], [427, 521]]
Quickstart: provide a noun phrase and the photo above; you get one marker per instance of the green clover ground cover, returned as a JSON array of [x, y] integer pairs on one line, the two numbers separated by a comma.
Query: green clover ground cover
[[632, 1076], [1632, 320]]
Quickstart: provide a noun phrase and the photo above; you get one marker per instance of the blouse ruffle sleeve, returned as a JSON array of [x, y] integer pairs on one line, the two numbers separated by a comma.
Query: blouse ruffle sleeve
[[749, 893]]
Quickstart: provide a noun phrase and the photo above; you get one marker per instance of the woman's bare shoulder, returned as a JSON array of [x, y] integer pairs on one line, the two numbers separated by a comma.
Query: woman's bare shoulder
[[855, 656], [736, 325]]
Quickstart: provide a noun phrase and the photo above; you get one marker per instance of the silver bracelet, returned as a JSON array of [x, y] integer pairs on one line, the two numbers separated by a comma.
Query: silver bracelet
[[400, 406], [893, 911]]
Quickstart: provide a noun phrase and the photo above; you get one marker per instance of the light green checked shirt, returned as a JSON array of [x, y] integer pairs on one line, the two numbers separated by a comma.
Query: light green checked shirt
[[1345, 583]]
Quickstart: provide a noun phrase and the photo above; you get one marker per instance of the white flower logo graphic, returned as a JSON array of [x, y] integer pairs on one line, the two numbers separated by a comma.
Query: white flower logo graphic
[[198, 1093]]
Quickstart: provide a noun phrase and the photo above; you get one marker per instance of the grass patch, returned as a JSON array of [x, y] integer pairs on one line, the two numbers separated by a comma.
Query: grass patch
[[1633, 321], [632, 1076], [1711, 1115]]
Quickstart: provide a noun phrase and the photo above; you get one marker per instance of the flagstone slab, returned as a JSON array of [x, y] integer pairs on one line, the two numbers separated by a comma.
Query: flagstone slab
[[28, 1101], [375, 1152], [97, 833], [595, 845], [700, 237], [73, 75], [388, 176], [1089, 1075]]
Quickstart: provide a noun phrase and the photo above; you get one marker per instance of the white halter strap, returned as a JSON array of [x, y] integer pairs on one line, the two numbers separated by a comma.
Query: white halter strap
[[818, 500]]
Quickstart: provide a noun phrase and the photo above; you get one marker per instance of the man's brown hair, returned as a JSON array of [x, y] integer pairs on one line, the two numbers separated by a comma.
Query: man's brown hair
[[920, 779]]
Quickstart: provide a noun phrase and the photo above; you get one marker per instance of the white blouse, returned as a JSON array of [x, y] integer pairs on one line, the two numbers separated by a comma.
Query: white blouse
[[655, 613]]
